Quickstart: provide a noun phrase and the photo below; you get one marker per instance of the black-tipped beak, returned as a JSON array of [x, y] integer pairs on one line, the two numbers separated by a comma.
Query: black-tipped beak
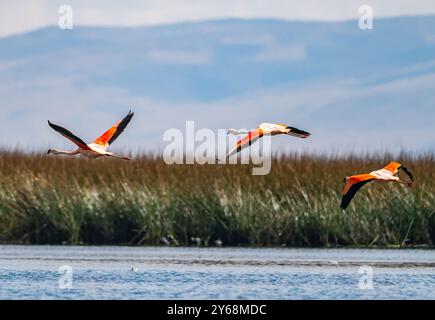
[[298, 133], [49, 150]]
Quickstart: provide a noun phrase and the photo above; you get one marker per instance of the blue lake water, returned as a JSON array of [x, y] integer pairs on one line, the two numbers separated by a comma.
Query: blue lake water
[[90, 272]]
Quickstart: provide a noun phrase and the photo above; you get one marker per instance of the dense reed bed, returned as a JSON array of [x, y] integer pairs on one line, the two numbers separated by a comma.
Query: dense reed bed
[[78, 201]]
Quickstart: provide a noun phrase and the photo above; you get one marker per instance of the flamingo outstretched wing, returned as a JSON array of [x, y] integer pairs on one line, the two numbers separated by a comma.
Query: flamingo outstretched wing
[[108, 137], [246, 141], [353, 185], [69, 135]]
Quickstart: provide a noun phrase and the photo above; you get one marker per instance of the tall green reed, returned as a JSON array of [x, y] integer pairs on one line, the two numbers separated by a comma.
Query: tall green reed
[[106, 201]]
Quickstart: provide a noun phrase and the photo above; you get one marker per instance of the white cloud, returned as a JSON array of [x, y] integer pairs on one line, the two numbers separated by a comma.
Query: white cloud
[[271, 49], [429, 38], [24, 15], [180, 57], [282, 53]]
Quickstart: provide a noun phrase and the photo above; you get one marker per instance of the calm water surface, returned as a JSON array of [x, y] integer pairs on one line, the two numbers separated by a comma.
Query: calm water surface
[[36, 272]]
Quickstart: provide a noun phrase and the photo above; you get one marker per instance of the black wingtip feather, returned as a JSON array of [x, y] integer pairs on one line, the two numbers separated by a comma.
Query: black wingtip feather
[[68, 134], [408, 172], [52, 125], [124, 123], [344, 203]]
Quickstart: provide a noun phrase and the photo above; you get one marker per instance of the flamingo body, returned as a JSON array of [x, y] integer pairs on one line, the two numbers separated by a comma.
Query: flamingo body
[[263, 129], [387, 174]]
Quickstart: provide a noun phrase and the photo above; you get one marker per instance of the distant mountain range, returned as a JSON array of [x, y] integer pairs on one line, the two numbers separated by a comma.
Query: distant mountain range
[[354, 89]]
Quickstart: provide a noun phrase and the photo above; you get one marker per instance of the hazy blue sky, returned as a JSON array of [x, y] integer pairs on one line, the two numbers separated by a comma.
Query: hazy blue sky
[[355, 90], [24, 15]]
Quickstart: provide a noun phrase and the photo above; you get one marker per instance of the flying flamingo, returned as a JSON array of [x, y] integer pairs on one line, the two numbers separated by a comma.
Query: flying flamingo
[[99, 147], [263, 129], [387, 174]]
